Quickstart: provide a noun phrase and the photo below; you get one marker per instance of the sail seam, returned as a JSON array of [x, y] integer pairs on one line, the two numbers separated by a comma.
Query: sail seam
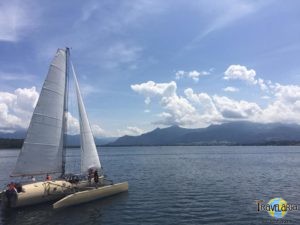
[[47, 124], [56, 92], [52, 117], [40, 144], [57, 67]]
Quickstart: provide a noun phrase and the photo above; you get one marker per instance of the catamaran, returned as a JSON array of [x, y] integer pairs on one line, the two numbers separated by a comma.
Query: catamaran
[[44, 148]]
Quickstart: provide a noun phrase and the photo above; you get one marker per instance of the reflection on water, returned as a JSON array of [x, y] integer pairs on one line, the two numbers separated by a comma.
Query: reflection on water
[[177, 185]]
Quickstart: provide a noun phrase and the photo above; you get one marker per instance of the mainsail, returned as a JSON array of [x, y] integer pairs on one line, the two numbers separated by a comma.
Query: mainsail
[[89, 155], [42, 151]]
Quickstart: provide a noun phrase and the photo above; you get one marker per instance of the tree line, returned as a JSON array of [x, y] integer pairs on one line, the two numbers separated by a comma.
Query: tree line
[[11, 143]]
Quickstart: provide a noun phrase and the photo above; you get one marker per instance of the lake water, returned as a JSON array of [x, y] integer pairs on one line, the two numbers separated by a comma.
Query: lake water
[[177, 185]]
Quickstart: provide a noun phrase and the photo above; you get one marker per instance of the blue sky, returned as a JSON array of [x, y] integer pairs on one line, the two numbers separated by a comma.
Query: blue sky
[[148, 63]]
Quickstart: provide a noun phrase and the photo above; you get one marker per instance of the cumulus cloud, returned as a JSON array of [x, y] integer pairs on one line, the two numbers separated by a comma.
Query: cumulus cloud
[[205, 106], [285, 107], [201, 109], [238, 72], [194, 74], [178, 110], [151, 89], [231, 109], [231, 89], [16, 108]]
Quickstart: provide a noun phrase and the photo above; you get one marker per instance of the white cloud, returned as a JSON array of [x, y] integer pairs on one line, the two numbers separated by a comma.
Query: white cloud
[[151, 89], [285, 107], [231, 109], [130, 130], [205, 106], [263, 86], [16, 108], [194, 74], [238, 72], [134, 130], [231, 89], [72, 124], [177, 109], [201, 109], [17, 19]]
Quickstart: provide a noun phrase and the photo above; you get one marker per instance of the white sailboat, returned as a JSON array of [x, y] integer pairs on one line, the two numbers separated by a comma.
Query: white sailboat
[[44, 148]]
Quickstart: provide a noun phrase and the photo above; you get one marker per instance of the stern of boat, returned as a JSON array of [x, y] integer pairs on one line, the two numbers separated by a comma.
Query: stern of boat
[[8, 199]]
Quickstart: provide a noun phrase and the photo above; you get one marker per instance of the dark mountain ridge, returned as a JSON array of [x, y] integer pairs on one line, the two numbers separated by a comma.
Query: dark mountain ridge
[[234, 133]]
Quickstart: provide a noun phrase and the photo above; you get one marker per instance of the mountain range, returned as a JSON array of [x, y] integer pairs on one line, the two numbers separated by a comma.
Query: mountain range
[[233, 133], [72, 140]]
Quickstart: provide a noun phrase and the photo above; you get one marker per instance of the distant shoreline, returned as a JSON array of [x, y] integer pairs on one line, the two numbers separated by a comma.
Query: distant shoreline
[[8, 143]]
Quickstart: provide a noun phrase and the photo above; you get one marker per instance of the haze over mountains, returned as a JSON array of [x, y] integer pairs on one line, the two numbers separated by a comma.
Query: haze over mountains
[[235, 133]]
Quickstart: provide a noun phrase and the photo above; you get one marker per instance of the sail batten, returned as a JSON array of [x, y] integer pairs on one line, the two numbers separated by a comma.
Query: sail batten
[[42, 150], [89, 154]]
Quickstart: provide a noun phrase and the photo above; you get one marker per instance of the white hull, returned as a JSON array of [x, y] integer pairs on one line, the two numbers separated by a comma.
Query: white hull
[[44, 191], [90, 195]]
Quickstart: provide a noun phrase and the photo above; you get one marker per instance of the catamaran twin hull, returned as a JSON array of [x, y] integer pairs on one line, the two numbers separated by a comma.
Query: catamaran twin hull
[[37, 192], [66, 193], [90, 195]]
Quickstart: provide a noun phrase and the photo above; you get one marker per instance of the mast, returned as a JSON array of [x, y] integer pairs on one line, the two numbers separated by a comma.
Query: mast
[[65, 118]]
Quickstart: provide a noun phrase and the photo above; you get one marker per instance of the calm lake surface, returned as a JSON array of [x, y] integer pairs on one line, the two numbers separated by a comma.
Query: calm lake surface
[[177, 185]]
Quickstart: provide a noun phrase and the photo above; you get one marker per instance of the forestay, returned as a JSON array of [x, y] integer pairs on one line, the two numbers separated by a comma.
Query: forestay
[[89, 155], [42, 150]]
